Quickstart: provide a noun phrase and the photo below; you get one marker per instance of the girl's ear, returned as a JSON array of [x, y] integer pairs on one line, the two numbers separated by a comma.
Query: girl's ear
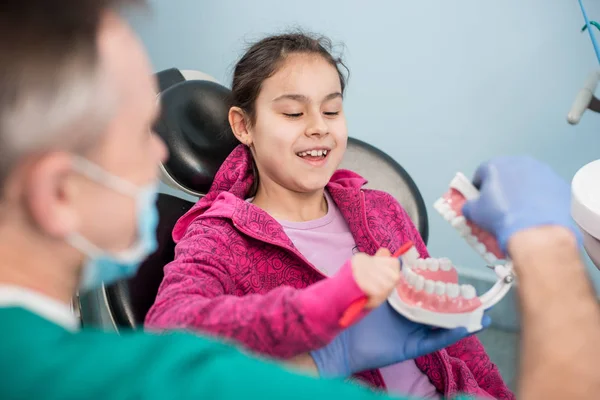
[[239, 125]]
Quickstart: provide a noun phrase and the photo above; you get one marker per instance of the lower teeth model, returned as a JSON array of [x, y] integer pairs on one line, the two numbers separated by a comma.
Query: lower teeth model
[[429, 292]]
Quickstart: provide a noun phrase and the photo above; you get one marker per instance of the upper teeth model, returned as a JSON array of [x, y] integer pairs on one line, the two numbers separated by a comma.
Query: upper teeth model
[[450, 207], [429, 292]]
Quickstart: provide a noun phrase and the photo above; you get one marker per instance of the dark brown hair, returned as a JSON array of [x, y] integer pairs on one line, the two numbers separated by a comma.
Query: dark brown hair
[[264, 58]]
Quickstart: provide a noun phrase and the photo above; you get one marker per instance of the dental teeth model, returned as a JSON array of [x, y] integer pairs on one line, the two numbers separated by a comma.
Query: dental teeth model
[[450, 207], [429, 292]]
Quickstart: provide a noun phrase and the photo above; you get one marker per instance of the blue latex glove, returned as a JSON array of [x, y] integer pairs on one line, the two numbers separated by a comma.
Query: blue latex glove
[[382, 338], [517, 193]]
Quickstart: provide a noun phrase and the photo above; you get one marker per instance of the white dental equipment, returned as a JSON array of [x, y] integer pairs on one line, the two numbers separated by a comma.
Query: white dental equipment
[[585, 207], [585, 186], [441, 303], [585, 99]]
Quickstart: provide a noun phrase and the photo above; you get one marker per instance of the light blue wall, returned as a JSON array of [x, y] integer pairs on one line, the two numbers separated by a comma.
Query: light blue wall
[[440, 85]]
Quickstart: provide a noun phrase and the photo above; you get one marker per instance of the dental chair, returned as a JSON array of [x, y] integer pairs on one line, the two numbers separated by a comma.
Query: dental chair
[[195, 128]]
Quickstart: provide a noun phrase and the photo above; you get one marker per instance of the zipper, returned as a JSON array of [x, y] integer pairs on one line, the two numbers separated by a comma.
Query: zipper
[[271, 242]]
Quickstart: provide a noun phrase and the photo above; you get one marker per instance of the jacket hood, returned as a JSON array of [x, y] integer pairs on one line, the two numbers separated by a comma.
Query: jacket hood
[[232, 184]]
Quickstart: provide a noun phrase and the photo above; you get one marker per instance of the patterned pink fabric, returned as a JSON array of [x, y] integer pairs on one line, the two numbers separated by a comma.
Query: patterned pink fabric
[[237, 275]]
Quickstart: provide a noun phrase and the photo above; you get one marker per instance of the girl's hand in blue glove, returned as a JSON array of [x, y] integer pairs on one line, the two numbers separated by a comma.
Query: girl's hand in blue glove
[[382, 338], [517, 193]]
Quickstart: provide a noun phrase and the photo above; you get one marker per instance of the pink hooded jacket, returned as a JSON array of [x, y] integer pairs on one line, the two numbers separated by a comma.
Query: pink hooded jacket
[[237, 275]]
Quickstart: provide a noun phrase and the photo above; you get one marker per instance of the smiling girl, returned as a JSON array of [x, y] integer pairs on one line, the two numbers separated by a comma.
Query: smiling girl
[[280, 223]]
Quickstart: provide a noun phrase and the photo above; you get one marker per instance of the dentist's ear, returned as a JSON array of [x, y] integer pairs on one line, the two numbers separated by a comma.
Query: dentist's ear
[[48, 194], [240, 125]]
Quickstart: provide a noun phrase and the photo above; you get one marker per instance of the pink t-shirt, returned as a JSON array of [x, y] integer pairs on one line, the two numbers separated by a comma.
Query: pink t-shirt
[[327, 243]]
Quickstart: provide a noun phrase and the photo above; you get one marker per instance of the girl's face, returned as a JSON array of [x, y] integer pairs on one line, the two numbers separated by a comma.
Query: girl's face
[[299, 136]]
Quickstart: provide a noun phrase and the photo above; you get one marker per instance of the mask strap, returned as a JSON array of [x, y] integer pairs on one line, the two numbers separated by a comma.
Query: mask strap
[[92, 251], [120, 185], [99, 175], [85, 246]]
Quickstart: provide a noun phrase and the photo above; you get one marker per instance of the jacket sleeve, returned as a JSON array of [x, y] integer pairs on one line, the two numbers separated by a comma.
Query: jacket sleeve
[[197, 293], [469, 350]]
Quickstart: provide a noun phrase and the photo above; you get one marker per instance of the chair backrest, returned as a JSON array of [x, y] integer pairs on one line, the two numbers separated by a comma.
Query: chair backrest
[[194, 126], [384, 173]]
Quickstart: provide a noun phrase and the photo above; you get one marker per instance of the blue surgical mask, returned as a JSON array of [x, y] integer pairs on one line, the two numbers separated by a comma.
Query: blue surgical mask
[[106, 267]]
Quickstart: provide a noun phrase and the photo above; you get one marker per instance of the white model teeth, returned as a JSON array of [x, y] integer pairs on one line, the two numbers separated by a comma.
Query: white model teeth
[[472, 240], [441, 206], [459, 223], [480, 247], [432, 264], [467, 291], [429, 286], [452, 290], [440, 288], [405, 271], [420, 283], [490, 258], [420, 264], [444, 209], [445, 264], [449, 215], [411, 256], [412, 277]]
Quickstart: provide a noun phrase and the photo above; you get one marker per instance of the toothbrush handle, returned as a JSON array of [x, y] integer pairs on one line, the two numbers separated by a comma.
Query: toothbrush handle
[[354, 310]]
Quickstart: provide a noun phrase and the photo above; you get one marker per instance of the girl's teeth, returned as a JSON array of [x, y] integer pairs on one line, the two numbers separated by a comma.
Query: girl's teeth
[[313, 153]]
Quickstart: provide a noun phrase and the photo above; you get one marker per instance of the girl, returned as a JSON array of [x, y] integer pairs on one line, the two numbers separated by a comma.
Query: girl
[[280, 215]]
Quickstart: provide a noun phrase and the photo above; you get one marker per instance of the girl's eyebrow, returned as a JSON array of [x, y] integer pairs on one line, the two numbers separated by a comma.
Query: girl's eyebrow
[[303, 99]]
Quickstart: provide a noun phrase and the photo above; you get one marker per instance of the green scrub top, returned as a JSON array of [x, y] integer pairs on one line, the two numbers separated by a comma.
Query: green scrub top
[[42, 360]]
